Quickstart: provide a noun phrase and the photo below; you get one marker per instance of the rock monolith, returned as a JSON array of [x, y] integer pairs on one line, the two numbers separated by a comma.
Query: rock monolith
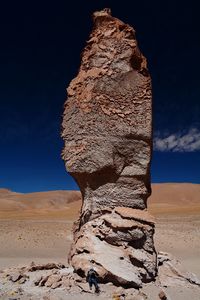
[[107, 130]]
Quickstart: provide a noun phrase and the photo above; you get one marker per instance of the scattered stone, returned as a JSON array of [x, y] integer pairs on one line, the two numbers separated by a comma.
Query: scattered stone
[[15, 276], [163, 257], [22, 280], [172, 273], [162, 295], [116, 297], [33, 267], [52, 279], [43, 280]]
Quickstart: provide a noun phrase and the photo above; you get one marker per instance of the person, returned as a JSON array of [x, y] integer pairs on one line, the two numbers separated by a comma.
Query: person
[[92, 279]]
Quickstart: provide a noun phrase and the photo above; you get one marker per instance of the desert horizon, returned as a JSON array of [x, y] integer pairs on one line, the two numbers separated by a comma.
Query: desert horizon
[[165, 198]]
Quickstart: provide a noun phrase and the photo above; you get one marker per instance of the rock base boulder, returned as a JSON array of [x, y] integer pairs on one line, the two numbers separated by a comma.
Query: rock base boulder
[[119, 244]]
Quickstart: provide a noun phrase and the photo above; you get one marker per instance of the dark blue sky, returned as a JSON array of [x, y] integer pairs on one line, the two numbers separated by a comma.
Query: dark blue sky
[[40, 51]]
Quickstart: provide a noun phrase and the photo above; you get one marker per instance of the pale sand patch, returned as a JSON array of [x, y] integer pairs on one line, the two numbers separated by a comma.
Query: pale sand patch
[[45, 235]]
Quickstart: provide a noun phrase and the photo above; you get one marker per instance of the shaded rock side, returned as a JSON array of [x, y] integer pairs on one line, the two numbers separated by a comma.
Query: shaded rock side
[[107, 130]]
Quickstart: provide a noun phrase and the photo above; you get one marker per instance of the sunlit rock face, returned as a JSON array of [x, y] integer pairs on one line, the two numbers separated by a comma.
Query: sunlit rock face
[[107, 130]]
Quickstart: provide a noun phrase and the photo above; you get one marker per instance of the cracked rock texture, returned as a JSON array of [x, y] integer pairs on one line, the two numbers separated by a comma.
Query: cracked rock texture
[[56, 281], [107, 130]]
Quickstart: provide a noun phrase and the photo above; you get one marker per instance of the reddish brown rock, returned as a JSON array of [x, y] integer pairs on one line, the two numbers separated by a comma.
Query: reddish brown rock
[[107, 130], [49, 266], [135, 214], [52, 280], [15, 276], [162, 295]]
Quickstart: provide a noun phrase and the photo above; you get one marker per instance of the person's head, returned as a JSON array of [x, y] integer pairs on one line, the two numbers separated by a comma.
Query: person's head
[[91, 265]]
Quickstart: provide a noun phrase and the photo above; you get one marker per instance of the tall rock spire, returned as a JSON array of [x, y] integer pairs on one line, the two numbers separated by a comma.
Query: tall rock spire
[[107, 130]]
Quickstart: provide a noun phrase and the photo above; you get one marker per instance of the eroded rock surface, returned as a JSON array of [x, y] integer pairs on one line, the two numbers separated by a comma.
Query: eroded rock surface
[[107, 129], [56, 281]]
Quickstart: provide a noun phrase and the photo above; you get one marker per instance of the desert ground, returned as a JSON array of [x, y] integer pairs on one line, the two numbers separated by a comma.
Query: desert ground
[[37, 226]]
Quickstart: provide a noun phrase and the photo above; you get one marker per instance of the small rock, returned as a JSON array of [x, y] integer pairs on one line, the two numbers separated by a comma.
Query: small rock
[[43, 280], [22, 280], [66, 282], [192, 278], [52, 279], [116, 297], [132, 294], [163, 257], [15, 277], [162, 295], [33, 267]]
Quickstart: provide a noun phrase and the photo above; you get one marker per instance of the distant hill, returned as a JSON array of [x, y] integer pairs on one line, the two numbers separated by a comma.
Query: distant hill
[[40, 200], [175, 193], [175, 198], [166, 197]]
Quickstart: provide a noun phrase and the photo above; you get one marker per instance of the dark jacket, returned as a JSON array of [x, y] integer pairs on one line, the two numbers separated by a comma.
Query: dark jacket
[[92, 274]]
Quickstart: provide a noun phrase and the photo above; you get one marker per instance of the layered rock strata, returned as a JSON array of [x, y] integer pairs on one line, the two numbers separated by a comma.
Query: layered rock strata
[[107, 130]]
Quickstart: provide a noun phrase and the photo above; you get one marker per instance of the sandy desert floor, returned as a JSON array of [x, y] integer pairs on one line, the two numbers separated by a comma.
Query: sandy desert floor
[[48, 239]]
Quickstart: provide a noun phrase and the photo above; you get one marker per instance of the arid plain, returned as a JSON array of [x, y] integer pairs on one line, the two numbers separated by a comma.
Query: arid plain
[[37, 226]]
